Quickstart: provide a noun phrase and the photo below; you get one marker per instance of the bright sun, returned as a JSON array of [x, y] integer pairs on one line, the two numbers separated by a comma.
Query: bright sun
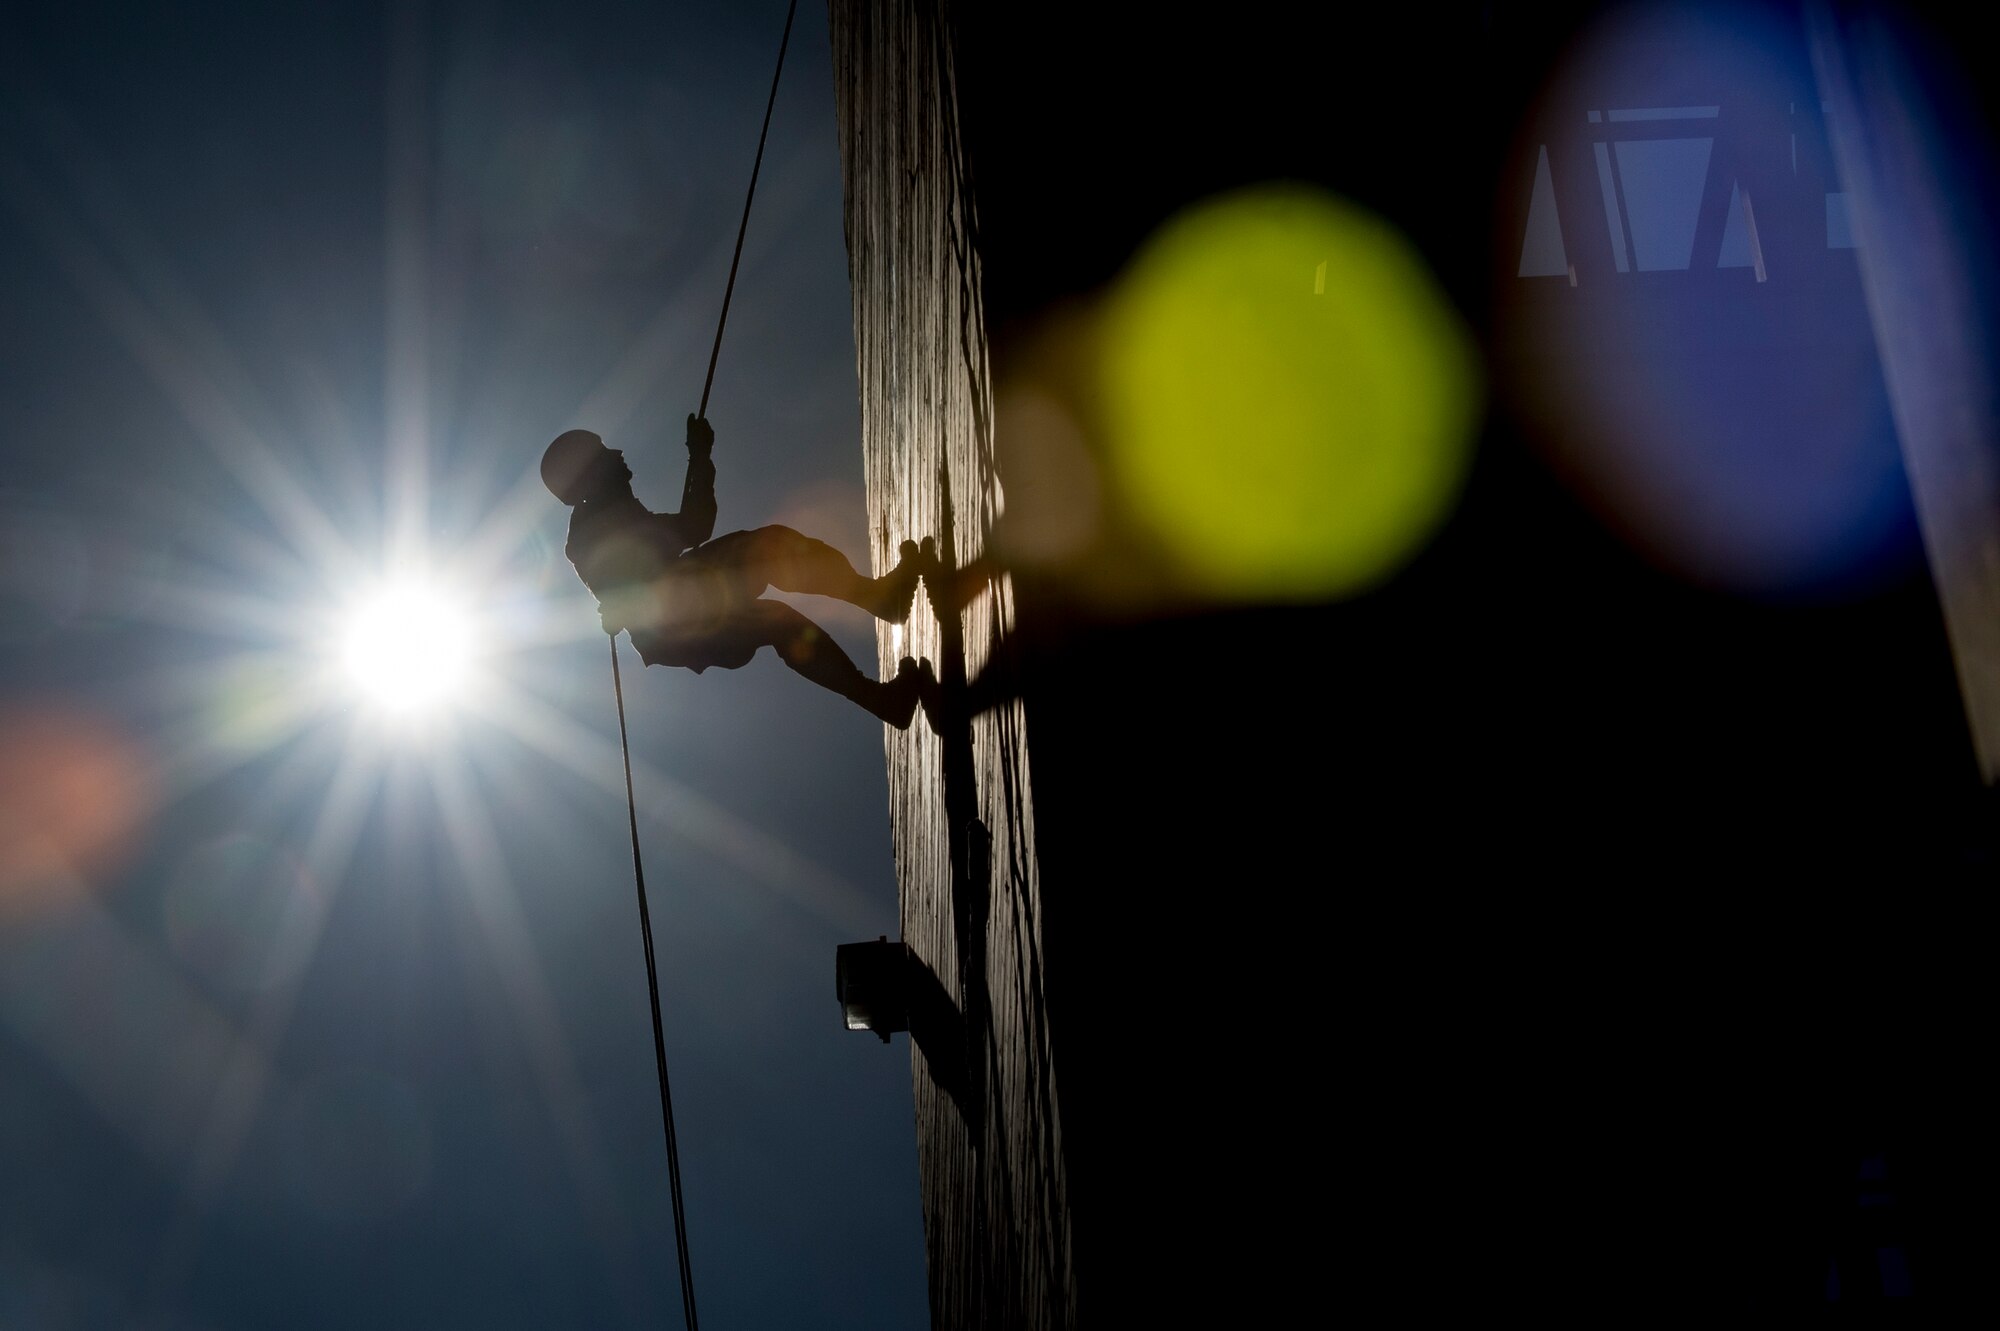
[[407, 649]]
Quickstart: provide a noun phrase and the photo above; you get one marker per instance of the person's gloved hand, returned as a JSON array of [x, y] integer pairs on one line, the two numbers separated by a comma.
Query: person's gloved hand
[[701, 436]]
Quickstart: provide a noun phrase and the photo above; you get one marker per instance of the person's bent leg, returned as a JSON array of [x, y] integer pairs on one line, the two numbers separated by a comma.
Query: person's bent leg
[[791, 561], [807, 649]]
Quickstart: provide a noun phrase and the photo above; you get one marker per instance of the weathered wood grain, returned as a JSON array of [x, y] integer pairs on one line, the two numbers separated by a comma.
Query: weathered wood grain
[[988, 1115]]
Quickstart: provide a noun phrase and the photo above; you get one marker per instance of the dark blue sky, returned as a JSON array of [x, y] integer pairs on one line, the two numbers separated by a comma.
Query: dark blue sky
[[313, 1020]]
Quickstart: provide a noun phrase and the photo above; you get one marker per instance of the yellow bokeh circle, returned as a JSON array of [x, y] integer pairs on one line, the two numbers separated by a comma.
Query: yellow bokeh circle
[[1288, 397]]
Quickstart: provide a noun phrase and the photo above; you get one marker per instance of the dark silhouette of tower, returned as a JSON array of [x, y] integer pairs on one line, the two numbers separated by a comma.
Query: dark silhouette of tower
[[1504, 932]]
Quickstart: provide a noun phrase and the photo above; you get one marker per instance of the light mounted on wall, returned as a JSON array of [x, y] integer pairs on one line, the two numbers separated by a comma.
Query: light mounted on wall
[[872, 982]]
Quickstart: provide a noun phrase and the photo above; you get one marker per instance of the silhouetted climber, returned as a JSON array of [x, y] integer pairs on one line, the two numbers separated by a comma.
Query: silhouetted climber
[[694, 602]]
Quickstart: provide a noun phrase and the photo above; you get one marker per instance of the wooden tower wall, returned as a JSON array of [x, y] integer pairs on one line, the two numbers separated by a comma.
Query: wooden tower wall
[[962, 807]]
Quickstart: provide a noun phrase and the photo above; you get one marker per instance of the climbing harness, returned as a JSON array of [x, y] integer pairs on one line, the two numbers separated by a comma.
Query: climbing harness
[[625, 746]]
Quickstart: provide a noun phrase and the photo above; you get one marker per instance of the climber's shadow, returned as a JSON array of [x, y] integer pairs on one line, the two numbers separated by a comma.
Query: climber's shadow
[[969, 839], [940, 1031]]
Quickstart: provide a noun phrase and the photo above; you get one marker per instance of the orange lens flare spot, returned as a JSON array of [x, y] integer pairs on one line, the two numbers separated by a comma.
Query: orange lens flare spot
[[77, 795]]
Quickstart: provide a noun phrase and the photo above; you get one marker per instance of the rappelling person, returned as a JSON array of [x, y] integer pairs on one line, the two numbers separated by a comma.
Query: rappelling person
[[694, 602]]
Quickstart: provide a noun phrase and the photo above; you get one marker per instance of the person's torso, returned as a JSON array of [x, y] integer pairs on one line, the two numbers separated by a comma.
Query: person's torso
[[631, 559]]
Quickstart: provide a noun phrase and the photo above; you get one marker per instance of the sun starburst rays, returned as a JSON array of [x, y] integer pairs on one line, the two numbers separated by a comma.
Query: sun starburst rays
[[294, 542]]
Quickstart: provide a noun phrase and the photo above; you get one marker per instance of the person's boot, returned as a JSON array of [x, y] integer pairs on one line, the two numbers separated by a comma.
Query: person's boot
[[930, 693], [896, 590], [914, 686]]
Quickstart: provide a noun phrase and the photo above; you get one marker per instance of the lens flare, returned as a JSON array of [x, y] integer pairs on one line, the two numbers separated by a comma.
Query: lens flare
[[1689, 342], [78, 792], [1289, 395]]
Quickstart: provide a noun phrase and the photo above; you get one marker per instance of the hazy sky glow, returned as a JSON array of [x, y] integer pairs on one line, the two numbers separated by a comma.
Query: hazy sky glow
[[321, 1000]]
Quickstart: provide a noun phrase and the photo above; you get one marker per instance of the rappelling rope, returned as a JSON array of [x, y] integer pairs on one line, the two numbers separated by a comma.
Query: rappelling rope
[[755, 166], [653, 992], [625, 746]]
